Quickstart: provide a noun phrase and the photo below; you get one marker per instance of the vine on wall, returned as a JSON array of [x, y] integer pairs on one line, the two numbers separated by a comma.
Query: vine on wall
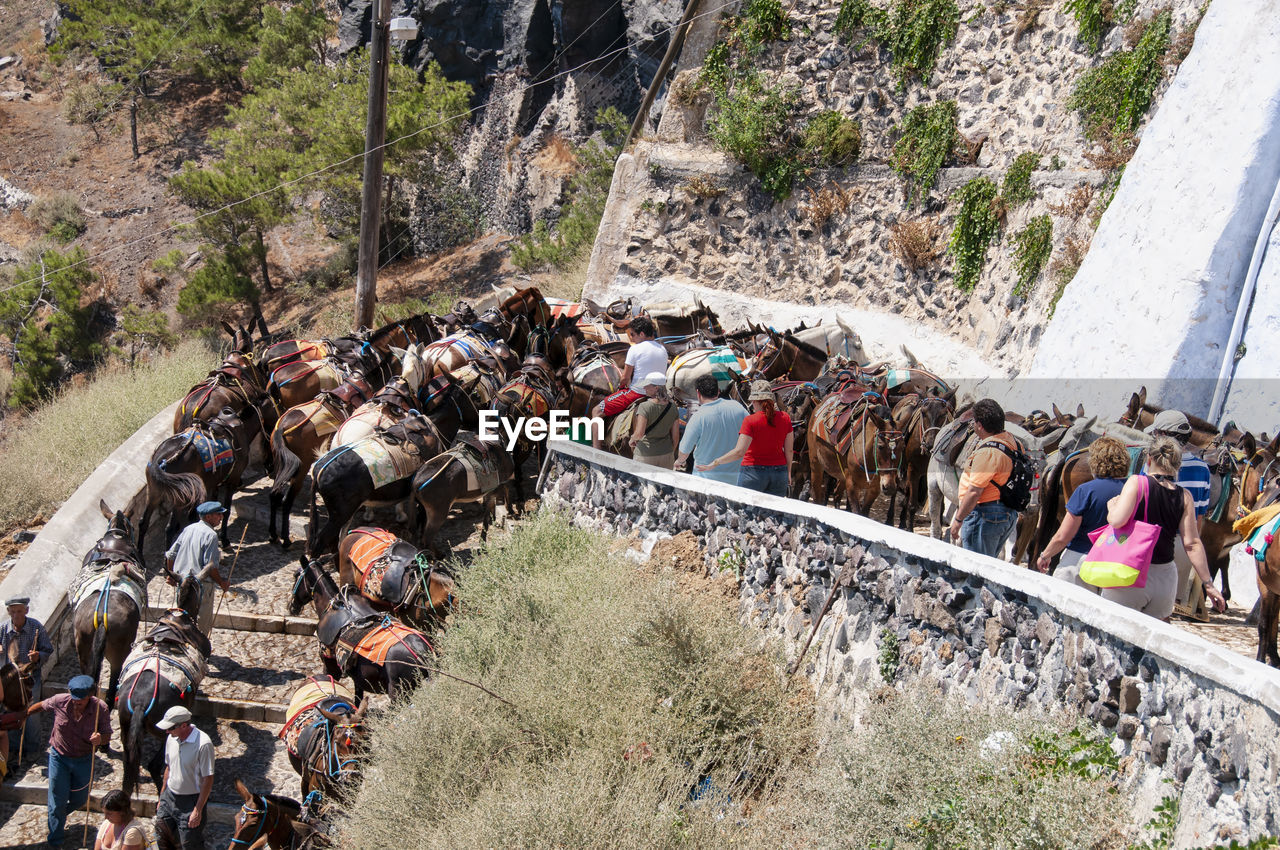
[[1031, 248], [975, 227], [928, 137], [1113, 98], [914, 31], [1016, 189]]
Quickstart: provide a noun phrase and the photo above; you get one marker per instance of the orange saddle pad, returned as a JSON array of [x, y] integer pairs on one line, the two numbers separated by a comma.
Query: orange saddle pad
[[371, 546], [375, 645]]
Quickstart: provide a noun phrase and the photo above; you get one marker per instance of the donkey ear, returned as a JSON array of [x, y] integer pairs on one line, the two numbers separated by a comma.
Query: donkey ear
[[244, 792], [1142, 396], [106, 511], [1057, 414], [400, 353], [1079, 411], [226, 326]]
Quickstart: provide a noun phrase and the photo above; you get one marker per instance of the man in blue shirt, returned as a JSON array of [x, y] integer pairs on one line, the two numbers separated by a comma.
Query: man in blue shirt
[[195, 549], [1193, 476], [23, 640], [712, 431]]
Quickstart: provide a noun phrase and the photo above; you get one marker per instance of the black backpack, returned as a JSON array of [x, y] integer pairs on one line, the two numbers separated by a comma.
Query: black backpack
[[1016, 492]]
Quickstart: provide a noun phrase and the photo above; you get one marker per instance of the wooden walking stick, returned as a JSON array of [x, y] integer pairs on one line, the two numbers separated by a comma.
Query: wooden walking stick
[[230, 572], [93, 763], [845, 580]]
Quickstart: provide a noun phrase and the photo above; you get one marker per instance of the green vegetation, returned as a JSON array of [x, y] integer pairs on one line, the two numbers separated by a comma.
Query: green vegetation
[[1016, 189], [44, 322], [752, 118], [575, 231], [832, 139], [928, 137], [1031, 248], [976, 225], [889, 656], [59, 215], [1094, 18], [45, 460], [914, 31], [1113, 98]]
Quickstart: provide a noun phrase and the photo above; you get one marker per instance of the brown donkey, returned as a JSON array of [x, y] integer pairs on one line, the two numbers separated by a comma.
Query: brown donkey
[[919, 418], [470, 471], [395, 575], [853, 439]]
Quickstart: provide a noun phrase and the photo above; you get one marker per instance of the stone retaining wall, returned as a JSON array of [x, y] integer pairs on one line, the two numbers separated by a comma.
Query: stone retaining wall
[[1181, 708]]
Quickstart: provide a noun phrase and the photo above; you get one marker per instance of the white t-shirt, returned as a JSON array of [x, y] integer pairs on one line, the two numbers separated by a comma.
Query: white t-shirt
[[645, 357], [189, 762]]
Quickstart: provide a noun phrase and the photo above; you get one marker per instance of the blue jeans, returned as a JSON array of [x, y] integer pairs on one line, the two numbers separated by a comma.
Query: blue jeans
[[766, 479], [68, 790], [987, 527]]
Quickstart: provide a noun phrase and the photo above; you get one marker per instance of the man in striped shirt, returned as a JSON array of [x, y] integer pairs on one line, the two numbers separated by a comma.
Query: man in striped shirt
[[1193, 476]]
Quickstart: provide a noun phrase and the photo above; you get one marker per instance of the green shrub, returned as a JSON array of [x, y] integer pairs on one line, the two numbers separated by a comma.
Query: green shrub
[[928, 136], [59, 215], [575, 231], [1113, 97], [763, 21], [1031, 248], [1094, 18], [752, 123], [889, 656], [914, 31], [832, 139], [976, 225], [1016, 188]]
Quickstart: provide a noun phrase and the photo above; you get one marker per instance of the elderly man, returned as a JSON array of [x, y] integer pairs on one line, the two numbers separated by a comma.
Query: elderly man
[[81, 723], [1193, 476], [194, 550], [24, 639], [712, 431], [188, 780]]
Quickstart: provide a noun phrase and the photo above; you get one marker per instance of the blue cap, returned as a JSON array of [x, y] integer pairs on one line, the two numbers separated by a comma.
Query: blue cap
[[207, 508], [81, 686]]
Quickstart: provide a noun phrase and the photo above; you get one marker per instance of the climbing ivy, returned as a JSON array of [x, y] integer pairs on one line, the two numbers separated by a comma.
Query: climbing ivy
[[1017, 180], [975, 227], [914, 31], [928, 135], [832, 139], [1093, 18], [1113, 97], [1031, 248]]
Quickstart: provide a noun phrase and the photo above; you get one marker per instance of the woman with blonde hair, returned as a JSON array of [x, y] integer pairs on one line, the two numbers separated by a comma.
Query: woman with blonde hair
[[1171, 508], [655, 431], [1087, 510]]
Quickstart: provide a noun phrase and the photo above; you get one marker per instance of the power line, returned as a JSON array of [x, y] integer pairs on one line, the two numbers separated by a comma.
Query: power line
[[173, 227]]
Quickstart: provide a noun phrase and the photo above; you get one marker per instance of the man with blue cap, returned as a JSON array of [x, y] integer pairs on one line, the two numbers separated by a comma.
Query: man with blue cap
[[195, 553], [81, 723], [23, 640]]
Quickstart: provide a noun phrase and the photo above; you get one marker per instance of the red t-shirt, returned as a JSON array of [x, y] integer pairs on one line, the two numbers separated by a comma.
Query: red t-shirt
[[767, 440]]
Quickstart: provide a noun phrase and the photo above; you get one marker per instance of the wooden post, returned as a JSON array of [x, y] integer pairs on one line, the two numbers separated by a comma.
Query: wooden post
[[673, 49], [375, 135]]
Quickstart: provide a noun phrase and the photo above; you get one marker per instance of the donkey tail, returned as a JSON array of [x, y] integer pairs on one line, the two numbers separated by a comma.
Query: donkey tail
[[133, 747], [174, 490], [1050, 499], [99, 646], [287, 463]]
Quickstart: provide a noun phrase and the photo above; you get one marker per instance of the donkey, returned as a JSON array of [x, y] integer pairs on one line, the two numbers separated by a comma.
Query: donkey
[[296, 383], [163, 670], [1139, 414], [303, 432], [323, 729], [470, 471], [109, 596], [17, 691], [396, 576], [919, 419], [531, 393], [188, 467], [787, 356], [378, 652], [853, 439], [270, 820], [378, 468], [528, 303]]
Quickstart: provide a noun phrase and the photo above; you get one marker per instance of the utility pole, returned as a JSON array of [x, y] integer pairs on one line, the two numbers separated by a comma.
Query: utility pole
[[375, 134]]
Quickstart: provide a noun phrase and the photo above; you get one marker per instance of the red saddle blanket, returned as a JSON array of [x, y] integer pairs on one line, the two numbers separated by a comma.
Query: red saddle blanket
[[368, 551]]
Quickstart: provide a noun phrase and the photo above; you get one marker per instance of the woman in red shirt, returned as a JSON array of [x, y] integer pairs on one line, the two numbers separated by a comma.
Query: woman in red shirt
[[764, 445]]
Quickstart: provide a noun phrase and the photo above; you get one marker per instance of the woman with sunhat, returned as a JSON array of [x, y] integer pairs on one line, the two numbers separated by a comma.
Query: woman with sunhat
[[765, 443], [656, 429]]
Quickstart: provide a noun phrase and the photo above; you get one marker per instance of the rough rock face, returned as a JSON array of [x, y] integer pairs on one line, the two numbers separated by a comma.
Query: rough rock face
[[539, 68]]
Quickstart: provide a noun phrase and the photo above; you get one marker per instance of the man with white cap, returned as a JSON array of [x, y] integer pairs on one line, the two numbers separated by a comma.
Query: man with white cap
[[23, 639], [194, 551], [81, 723], [1193, 476], [656, 426], [188, 781]]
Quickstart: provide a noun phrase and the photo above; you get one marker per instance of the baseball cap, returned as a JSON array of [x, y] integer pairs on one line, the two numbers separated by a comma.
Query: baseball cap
[[175, 716], [1170, 422]]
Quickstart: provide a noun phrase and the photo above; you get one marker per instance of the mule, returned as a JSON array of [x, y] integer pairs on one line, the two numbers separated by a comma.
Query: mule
[[852, 438], [322, 733], [470, 471], [163, 670], [593, 376], [378, 469], [919, 418], [108, 596], [187, 468], [786, 356], [17, 691], [297, 383], [396, 576], [532, 393], [720, 361], [378, 652], [270, 820], [530, 304], [1139, 414]]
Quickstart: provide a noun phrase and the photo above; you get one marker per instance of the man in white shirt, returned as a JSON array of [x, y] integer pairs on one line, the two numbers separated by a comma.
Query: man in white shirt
[[646, 355], [188, 780]]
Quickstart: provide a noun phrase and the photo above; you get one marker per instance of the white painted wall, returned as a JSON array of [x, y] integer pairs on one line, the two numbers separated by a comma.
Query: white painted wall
[[1155, 298], [1254, 400]]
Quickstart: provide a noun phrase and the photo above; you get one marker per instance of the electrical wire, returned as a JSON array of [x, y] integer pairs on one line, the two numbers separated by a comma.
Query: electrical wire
[[286, 183]]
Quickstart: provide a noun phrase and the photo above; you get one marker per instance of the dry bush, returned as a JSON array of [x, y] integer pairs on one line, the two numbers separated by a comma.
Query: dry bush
[[1069, 258], [687, 89], [556, 158], [966, 150], [702, 187], [1028, 18], [1180, 46], [826, 202], [915, 242], [48, 455], [1076, 203], [1116, 150]]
